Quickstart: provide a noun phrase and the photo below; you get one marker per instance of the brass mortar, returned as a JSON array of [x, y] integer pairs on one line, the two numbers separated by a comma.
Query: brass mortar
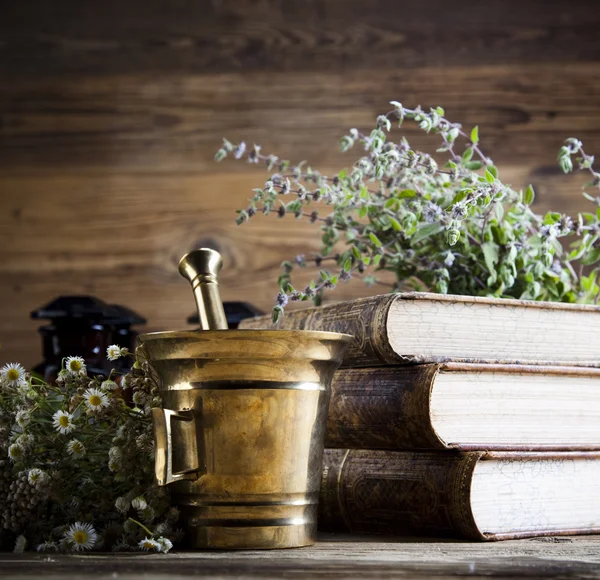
[[241, 430]]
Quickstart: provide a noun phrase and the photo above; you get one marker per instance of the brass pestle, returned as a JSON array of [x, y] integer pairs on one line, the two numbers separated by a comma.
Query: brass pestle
[[201, 267]]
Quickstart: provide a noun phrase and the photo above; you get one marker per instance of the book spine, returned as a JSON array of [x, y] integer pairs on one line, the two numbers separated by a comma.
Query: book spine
[[410, 493], [382, 408], [365, 319]]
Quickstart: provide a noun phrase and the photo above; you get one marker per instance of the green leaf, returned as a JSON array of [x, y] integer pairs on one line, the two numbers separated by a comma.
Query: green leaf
[[391, 203], [377, 259], [529, 195], [489, 177], [490, 255], [424, 232], [376, 241], [493, 170], [577, 253], [498, 234], [475, 135], [395, 224], [460, 195], [364, 193], [348, 265], [220, 155], [366, 260], [406, 193], [277, 314], [552, 217], [473, 165], [440, 111], [356, 252], [591, 257], [362, 212], [467, 155]]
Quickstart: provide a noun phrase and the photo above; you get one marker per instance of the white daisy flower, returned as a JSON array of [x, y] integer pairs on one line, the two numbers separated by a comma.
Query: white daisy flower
[[22, 418], [47, 547], [12, 374], [36, 475], [63, 422], [122, 504], [114, 352], [165, 544], [76, 448], [16, 452], [20, 544], [139, 503], [75, 365], [95, 400], [109, 385], [81, 536], [149, 545]]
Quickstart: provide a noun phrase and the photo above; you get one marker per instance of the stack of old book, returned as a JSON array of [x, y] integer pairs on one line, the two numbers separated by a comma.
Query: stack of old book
[[458, 416]]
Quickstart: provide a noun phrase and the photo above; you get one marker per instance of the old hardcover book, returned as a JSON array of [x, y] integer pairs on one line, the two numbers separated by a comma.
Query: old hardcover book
[[423, 328], [465, 406], [473, 495]]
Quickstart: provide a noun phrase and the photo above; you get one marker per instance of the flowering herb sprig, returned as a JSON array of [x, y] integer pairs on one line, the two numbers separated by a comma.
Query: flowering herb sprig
[[76, 461], [450, 228]]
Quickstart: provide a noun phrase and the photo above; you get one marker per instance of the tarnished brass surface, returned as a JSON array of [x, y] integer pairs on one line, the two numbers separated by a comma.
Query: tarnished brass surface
[[201, 267], [241, 432]]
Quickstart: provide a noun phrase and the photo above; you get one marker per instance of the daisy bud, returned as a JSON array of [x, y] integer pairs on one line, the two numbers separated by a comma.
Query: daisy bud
[[122, 504], [139, 503], [109, 385]]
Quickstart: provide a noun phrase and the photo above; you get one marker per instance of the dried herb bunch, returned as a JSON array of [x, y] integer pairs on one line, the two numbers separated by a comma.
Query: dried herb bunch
[[76, 471], [452, 228]]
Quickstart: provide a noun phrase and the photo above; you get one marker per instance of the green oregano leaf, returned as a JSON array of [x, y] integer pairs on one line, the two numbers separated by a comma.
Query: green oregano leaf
[[376, 241], [529, 195], [395, 224], [475, 135]]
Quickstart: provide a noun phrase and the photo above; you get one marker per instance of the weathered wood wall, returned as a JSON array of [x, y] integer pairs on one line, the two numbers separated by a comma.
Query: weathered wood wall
[[110, 114]]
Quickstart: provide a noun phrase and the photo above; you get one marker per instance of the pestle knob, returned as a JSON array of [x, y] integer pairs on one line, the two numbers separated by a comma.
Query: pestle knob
[[200, 267]]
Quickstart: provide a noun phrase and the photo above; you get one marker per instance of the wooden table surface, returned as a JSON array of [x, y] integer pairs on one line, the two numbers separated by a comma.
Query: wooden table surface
[[335, 556]]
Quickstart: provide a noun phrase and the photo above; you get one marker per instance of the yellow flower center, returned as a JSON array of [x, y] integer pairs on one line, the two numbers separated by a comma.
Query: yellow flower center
[[80, 537], [63, 421], [95, 401], [12, 375], [75, 365], [77, 448]]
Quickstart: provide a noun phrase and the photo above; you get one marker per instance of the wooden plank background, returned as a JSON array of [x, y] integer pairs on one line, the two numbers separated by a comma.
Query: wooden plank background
[[110, 114]]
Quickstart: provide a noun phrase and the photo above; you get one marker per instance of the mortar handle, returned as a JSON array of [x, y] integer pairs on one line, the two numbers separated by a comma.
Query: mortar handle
[[201, 267], [163, 447]]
